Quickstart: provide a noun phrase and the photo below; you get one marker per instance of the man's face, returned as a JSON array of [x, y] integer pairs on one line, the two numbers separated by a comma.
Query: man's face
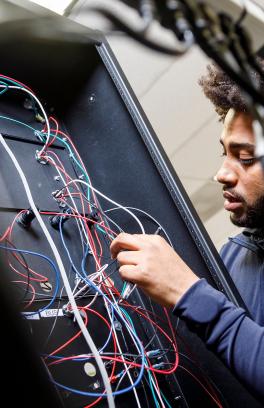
[[241, 174]]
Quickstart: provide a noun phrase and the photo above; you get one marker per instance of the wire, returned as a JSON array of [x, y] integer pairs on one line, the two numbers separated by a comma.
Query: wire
[[54, 249], [24, 251], [106, 198], [128, 288], [92, 244], [42, 110], [148, 215]]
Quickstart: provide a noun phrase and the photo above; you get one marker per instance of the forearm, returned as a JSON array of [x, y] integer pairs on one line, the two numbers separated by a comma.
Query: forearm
[[227, 331]]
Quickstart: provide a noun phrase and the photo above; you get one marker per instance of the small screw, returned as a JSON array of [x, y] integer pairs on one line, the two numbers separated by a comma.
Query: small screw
[[57, 178], [41, 159], [178, 398], [62, 204], [28, 104], [92, 98]]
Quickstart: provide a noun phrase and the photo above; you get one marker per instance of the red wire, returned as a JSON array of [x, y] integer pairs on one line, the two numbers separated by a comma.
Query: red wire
[[92, 243], [20, 83], [119, 360], [86, 226], [33, 292], [56, 131], [79, 157], [17, 257], [76, 335], [174, 338], [6, 233], [76, 216], [218, 403], [115, 358], [114, 344], [135, 364], [114, 364], [60, 167], [71, 339]]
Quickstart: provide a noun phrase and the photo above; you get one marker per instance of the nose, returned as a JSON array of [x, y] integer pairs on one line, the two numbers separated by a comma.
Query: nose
[[226, 175]]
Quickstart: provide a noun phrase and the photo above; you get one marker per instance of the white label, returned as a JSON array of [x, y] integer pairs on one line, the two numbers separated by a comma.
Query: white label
[[44, 313]]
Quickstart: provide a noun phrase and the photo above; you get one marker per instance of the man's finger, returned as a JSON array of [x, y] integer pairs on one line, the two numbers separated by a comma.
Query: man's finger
[[124, 242], [130, 273], [128, 258]]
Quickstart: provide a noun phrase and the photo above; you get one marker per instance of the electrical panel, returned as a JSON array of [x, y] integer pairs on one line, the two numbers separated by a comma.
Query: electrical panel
[[76, 140]]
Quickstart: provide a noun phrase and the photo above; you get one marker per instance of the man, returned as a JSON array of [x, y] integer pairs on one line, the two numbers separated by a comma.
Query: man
[[155, 267]]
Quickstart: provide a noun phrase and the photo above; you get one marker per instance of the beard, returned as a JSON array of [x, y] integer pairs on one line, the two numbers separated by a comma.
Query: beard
[[253, 216]]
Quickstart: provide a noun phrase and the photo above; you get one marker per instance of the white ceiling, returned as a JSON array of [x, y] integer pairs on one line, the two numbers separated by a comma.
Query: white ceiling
[[183, 119]]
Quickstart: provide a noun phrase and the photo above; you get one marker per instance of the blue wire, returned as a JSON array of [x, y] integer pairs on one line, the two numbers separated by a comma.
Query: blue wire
[[71, 154], [165, 399], [83, 277], [103, 231], [12, 81], [76, 271], [152, 391], [139, 378], [45, 134], [18, 121], [24, 251], [57, 137], [149, 373], [5, 89], [141, 372]]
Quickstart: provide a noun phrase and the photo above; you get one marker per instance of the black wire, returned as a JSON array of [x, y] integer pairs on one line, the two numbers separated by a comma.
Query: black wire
[[144, 390]]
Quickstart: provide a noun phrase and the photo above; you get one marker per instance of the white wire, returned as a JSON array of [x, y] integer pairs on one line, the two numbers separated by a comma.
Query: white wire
[[87, 238], [150, 216], [92, 278], [157, 391], [42, 110], [129, 286], [79, 224], [108, 199], [78, 220], [54, 249], [113, 222], [121, 354]]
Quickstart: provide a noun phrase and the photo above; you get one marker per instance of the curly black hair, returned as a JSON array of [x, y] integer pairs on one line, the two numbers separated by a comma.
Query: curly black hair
[[225, 93]]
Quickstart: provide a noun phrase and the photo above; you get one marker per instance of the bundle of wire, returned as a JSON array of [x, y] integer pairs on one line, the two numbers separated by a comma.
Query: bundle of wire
[[79, 201]]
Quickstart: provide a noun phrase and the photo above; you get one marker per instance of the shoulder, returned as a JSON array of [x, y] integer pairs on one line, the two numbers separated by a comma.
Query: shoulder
[[238, 252], [239, 243], [234, 243]]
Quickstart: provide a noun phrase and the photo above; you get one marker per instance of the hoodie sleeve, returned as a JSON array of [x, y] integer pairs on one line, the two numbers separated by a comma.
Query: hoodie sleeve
[[227, 331]]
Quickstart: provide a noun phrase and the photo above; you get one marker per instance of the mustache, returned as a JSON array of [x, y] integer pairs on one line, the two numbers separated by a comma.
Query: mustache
[[234, 193]]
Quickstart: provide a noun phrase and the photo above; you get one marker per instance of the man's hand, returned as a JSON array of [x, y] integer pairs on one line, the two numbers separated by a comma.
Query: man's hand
[[150, 262]]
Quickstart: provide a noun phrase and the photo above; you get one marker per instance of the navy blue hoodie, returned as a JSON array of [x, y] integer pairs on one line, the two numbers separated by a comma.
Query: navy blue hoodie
[[226, 330]]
